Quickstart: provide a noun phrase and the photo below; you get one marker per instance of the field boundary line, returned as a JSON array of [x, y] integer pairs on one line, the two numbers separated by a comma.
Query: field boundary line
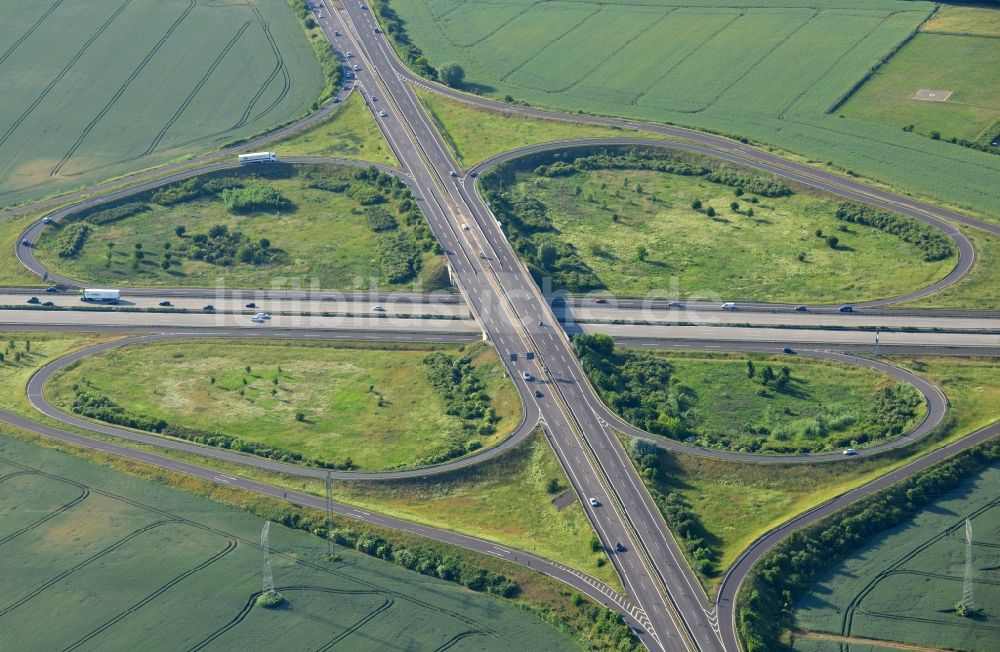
[[28, 32]]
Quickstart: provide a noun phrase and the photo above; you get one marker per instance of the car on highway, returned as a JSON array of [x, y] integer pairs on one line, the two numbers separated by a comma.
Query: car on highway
[[54, 288], [374, 98], [349, 54], [165, 304], [600, 300], [595, 502], [357, 67], [538, 393], [465, 227], [251, 305], [788, 350], [453, 173], [619, 546], [378, 309], [473, 174], [208, 308], [674, 304], [850, 451], [528, 377], [25, 242], [46, 220], [375, 30], [336, 32], [257, 319], [729, 305], [847, 309], [801, 308], [382, 114], [33, 300]]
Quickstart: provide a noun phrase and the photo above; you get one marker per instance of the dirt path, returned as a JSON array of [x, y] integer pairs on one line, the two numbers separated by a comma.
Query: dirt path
[[869, 641]]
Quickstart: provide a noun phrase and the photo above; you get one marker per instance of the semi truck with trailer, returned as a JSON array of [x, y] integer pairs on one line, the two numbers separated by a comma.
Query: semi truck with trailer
[[100, 296], [258, 157]]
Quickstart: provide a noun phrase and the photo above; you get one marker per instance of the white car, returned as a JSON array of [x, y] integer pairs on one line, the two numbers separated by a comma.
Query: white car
[[382, 114], [465, 227], [263, 316], [378, 309], [349, 54], [357, 67], [46, 220], [528, 377], [595, 502], [850, 451], [257, 319]]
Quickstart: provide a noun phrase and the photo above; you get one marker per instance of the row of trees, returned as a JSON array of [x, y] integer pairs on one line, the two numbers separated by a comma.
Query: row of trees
[[935, 244]]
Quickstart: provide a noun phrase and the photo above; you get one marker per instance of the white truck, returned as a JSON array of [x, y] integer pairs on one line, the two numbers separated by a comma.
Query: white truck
[[100, 296], [258, 157]]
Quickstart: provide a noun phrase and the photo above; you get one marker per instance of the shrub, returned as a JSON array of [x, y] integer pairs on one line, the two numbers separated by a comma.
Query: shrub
[[113, 214], [397, 257], [178, 192], [451, 74], [71, 239], [255, 196], [379, 219]]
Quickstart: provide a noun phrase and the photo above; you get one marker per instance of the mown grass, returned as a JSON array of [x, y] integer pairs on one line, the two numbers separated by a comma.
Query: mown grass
[[607, 215], [736, 503], [505, 499], [150, 84], [370, 403], [323, 239], [909, 578], [975, 19], [476, 134], [935, 62], [134, 534], [12, 272], [349, 132], [770, 73]]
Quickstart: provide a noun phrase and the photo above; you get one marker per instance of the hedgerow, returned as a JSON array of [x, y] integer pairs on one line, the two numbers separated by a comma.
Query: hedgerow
[[255, 196], [935, 244]]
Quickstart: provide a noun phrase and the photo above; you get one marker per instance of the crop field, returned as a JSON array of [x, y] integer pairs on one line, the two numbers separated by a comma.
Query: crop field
[[936, 61], [319, 236], [99, 88], [123, 561], [373, 404], [609, 215], [905, 585], [770, 72]]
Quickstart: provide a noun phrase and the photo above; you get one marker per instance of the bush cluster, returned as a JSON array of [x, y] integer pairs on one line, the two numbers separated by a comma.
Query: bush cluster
[[71, 239], [398, 258], [379, 219], [220, 246], [427, 561], [748, 182], [112, 214], [254, 196], [102, 408], [935, 244], [178, 193], [463, 392], [786, 572]]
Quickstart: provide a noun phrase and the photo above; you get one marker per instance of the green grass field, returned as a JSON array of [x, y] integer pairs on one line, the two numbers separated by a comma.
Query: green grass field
[[123, 561], [904, 585], [98, 89], [372, 404], [824, 404], [730, 255], [12, 272], [769, 72], [973, 18], [935, 62], [978, 289], [476, 134], [323, 238], [505, 499], [736, 503], [350, 132]]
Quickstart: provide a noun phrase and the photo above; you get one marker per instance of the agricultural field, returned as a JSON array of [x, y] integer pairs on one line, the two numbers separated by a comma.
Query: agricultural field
[[350, 132], [636, 233], [771, 72], [96, 89], [941, 62], [324, 226], [731, 504], [476, 134], [123, 561], [904, 586], [750, 402], [377, 405]]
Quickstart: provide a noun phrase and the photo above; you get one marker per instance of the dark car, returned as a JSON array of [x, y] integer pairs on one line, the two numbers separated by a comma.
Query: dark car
[[251, 305], [619, 546], [473, 174], [847, 309], [538, 393], [801, 309], [600, 300], [208, 308], [52, 289], [788, 350], [674, 304], [165, 304], [33, 300]]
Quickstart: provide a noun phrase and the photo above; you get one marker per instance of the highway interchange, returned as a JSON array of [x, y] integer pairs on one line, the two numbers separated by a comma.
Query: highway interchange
[[665, 603]]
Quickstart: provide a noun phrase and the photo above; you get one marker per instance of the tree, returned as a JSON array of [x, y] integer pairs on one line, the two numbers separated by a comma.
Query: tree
[[832, 241], [819, 233], [451, 74], [750, 212], [552, 486], [264, 243], [641, 252], [750, 369], [767, 375], [735, 206], [165, 264], [696, 204], [710, 211], [180, 231], [547, 255]]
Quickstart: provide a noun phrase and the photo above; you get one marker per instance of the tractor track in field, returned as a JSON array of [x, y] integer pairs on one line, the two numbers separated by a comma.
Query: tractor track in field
[[28, 32]]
